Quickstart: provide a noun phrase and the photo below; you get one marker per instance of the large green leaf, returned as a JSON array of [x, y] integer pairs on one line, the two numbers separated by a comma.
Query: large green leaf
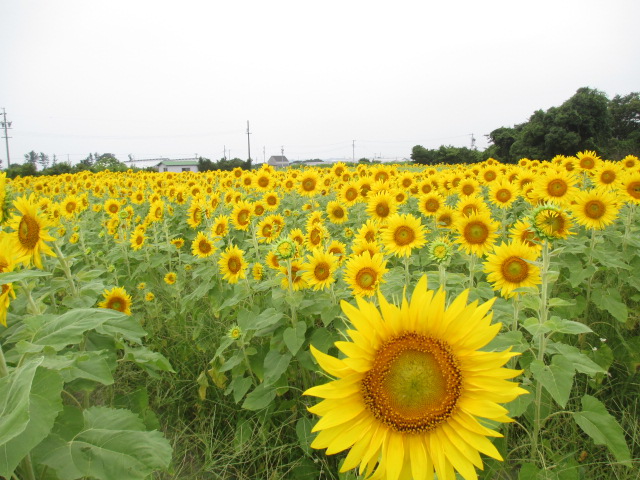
[[10, 277], [148, 360], [69, 328], [45, 402], [96, 365], [15, 389], [103, 443], [275, 364], [556, 378], [611, 301], [260, 397], [602, 427], [123, 326], [294, 338]]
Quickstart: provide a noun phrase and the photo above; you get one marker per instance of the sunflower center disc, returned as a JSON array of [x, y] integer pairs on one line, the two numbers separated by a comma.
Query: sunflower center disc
[[515, 270], [205, 247], [382, 210], [338, 213], [321, 272], [557, 188], [594, 209], [607, 177], [503, 195], [234, 265], [115, 304], [404, 236], [476, 232], [366, 278], [308, 185], [634, 189], [28, 232], [414, 384]]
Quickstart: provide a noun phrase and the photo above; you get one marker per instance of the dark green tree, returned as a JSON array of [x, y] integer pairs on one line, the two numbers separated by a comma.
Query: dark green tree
[[625, 125]]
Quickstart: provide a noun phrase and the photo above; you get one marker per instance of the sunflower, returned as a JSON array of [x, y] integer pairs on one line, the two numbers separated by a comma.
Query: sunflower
[[156, 211], [178, 243], [232, 264], [271, 200], [523, 232], [149, 296], [315, 236], [468, 187], [220, 227], [336, 212], [338, 249], [137, 240], [588, 160], [550, 222], [360, 245], [631, 187], [629, 162], [403, 234], [556, 186], [309, 183], [363, 273], [297, 281], [116, 299], [267, 231], [445, 217], [202, 246], [170, 278], [440, 250], [412, 388], [476, 233], [263, 180], [472, 205], [430, 203], [259, 207], [28, 240], [595, 208], [71, 206], [319, 269], [607, 175], [368, 231], [195, 214], [241, 215], [7, 264], [257, 271], [511, 266], [349, 194], [502, 194], [272, 260], [111, 206], [297, 236], [381, 205]]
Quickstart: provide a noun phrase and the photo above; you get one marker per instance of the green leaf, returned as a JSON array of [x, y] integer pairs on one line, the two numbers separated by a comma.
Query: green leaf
[[11, 277], [560, 302], [103, 443], [294, 339], [148, 360], [69, 328], [597, 422], [533, 326], [580, 361], [244, 430], [528, 471], [261, 397], [88, 365], [275, 364], [518, 406], [15, 389], [611, 301], [240, 387], [44, 404], [562, 325], [123, 326], [556, 378]]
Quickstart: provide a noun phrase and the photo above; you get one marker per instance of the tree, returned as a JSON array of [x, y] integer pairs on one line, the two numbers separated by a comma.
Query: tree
[[43, 160], [31, 158], [502, 139], [422, 156], [625, 125], [108, 161]]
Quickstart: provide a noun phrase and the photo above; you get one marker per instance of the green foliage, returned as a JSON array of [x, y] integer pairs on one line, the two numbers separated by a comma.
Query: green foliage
[[447, 155], [205, 165]]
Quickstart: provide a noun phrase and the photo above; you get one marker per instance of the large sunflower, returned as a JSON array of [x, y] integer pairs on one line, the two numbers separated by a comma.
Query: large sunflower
[[511, 266], [336, 212], [595, 208], [232, 264], [403, 234], [28, 240], [412, 387], [381, 205], [241, 215], [117, 299], [202, 246], [557, 186]]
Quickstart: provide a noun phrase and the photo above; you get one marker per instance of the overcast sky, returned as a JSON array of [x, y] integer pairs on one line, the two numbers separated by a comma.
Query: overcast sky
[[156, 78]]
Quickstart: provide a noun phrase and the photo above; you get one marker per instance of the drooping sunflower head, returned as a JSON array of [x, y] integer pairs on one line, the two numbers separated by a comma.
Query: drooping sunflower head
[[285, 249], [117, 299], [412, 387]]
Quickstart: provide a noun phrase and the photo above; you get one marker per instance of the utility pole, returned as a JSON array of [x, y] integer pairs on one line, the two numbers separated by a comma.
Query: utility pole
[[6, 125], [282, 152], [264, 154], [225, 152], [353, 147], [248, 141], [473, 142]]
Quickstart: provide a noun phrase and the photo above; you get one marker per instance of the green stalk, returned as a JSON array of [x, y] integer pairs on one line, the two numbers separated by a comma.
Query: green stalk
[[4, 371], [294, 314], [64, 264], [542, 340], [472, 268], [442, 272], [27, 290]]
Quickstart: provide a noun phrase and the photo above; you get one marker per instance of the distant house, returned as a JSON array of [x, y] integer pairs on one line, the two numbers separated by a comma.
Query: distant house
[[278, 161], [180, 165]]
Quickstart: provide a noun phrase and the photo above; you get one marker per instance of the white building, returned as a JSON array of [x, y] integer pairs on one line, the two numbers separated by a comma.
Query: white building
[[278, 161], [180, 165]]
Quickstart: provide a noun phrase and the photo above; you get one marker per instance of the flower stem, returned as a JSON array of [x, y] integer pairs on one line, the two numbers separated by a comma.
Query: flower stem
[[64, 264], [472, 269], [27, 290], [542, 340]]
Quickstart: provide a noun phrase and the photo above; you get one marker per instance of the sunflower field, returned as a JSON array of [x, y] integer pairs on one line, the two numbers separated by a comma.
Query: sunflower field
[[345, 322]]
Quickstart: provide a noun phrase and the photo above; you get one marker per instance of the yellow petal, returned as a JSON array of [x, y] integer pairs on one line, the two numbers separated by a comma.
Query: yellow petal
[[331, 365], [342, 388], [350, 408], [421, 465], [455, 457], [394, 455]]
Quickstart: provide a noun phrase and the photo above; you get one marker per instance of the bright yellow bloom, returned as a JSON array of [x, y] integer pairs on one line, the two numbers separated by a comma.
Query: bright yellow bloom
[[363, 273], [510, 266], [27, 242], [170, 278], [337, 213], [476, 233], [319, 269], [403, 234], [232, 264], [412, 387], [202, 246], [595, 208], [381, 206], [116, 299]]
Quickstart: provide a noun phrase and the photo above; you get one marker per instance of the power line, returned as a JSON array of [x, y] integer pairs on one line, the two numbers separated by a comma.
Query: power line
[[6, 125]]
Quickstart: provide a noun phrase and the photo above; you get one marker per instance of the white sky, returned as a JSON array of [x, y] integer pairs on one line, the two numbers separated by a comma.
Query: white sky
[[174, 78]]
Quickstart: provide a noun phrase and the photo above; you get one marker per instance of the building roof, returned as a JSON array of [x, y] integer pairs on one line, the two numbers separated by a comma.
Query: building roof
[[277, 159], [179, 163]]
